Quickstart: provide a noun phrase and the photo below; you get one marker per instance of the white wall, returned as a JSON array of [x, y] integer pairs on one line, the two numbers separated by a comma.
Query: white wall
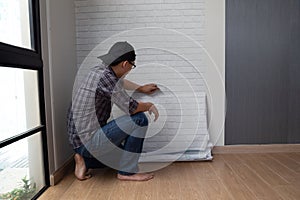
[[168, 36], [201, 21], [215, 74], [58, 46]]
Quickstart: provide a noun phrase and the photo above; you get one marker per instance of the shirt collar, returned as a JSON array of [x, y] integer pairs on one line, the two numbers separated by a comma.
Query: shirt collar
[[112, 71]]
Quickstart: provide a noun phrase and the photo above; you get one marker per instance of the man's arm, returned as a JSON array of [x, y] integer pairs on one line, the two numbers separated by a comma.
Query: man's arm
[[147, 106], [129, 85], [147, 89], [131, 106]]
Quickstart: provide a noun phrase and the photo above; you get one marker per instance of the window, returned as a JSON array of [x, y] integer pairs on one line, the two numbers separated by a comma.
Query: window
[[15, 23], [23, 145], [19, 101]]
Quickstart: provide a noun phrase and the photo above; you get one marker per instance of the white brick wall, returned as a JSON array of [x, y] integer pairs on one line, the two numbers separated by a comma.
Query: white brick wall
[[167, 35], [96, 20]]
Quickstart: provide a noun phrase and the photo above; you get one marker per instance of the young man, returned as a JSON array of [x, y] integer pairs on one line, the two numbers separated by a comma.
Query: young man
[[117, 143]]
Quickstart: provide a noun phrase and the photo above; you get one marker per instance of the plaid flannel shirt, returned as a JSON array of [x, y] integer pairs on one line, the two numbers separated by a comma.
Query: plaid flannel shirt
[[92, 104]]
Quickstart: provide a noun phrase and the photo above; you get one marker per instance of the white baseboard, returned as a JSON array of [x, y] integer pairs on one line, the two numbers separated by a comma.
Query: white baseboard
[[62, 171]]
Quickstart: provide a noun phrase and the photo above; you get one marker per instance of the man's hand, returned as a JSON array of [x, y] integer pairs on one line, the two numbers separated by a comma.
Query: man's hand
[[154, 110], [148, 88], [147, 106]]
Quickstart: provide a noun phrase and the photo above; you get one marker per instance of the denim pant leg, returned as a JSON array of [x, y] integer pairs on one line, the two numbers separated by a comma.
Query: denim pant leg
[[129, 161], [89, 160], [119, 143]]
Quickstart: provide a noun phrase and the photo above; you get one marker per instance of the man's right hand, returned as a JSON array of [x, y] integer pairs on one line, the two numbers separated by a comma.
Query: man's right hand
[[147, 106], [154, 110]]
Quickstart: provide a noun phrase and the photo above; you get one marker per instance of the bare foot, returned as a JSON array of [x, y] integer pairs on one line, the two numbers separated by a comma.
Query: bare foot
[[81, 172], [136, 177]]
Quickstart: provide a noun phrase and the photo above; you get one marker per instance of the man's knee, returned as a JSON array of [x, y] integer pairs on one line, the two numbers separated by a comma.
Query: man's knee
[[140, 119]]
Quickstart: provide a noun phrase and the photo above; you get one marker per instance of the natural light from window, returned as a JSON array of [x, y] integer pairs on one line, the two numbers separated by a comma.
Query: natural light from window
[[15, 23]]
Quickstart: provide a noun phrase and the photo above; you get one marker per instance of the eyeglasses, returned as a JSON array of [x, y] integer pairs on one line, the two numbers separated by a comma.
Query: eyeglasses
[[133, 65]]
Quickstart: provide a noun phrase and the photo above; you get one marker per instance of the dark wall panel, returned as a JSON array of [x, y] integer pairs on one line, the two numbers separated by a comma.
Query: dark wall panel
[[259, 75], [294, 75]]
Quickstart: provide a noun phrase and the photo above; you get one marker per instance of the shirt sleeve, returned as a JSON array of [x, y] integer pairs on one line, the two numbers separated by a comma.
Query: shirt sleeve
[[124, 101]]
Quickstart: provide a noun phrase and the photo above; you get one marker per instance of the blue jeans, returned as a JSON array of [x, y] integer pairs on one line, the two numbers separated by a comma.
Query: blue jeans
[[90, 161], [118, 144]]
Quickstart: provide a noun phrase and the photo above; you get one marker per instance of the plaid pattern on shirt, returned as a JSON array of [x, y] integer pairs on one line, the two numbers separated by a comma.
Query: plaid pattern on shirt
[[92, 103]]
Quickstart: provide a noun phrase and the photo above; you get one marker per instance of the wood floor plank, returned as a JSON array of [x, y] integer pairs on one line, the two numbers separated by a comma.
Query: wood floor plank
[[262, 170], [294, 156], [278, 167], [230, 180], [168, 185], [124, 189], [204, 170], [103, 184], [290, 192], [147, 190], [104, 178], [208, 182], [99, 194], [78, 189], [288, 162], [214, 189], [261, 189], [190, 188], [244, 176], [55, 192]]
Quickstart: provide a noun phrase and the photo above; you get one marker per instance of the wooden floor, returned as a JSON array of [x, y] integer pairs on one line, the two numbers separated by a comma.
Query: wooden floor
[[236, 176]]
